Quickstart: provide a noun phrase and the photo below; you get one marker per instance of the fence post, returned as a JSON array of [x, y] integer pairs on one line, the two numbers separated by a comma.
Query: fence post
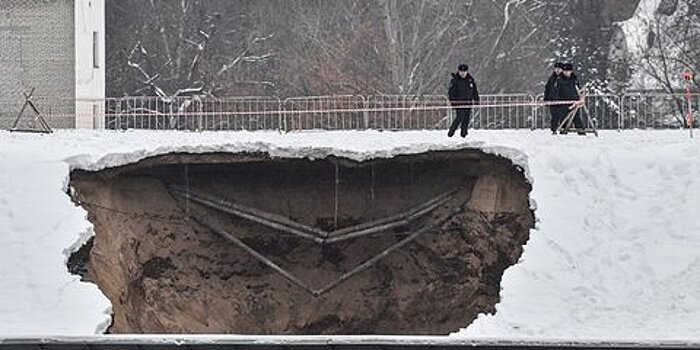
[[280, 115], [688, 77], [533, 113], [621, 110], [287, 121], [118, 119], [365, 112], [200, 115]]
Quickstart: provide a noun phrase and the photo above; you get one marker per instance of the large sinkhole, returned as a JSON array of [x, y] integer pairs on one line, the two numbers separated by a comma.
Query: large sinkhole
[[251, 244]]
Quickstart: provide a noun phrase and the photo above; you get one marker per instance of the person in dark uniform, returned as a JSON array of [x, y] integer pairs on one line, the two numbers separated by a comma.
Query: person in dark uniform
[[566, 89], [463, 92], [549, 96]]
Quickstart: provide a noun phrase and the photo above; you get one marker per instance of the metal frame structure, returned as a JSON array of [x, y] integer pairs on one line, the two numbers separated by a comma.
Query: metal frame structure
[[587, 122], [43, 126], [286, 225]]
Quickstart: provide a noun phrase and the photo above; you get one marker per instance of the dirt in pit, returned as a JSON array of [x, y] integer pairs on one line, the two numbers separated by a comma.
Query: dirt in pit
[[166, 272]]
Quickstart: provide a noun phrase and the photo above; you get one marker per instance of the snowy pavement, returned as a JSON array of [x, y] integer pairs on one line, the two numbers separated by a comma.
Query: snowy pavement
[[613, 255]]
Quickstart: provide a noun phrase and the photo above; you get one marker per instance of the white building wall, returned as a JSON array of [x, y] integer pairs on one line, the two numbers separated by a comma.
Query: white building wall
[[89, 69]]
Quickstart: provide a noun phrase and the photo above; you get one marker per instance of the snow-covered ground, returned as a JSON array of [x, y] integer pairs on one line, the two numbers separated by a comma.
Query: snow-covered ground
[[614, 254]]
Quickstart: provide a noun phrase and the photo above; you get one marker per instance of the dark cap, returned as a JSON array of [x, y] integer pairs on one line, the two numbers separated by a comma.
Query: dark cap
[[558, 65], [463, 67], [567, 66]]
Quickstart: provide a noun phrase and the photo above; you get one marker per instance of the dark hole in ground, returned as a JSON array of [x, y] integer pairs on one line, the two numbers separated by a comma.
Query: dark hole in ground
[[165, 273], [78, 262]]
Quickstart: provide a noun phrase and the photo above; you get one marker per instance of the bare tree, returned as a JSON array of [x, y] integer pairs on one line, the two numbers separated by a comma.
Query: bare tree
[[669, 48], [325, 47], [316, 47], [522, 43], [672, 48], [185, 47], [409, 47], [422, 38]]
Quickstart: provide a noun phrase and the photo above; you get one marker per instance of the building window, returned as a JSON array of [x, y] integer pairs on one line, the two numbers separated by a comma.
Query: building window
[[95, 50]]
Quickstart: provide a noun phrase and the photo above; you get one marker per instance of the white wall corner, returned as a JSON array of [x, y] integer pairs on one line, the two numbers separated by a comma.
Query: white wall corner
[[89, 63]]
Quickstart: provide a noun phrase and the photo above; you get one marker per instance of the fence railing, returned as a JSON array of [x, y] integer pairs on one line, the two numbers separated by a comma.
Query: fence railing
[[342, 112], [407, 112], [350, 112], [239, 113], [509, 111]]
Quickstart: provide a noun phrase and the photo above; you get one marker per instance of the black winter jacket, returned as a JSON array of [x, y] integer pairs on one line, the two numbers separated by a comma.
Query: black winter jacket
[[567, 88], [549, 88], [463, 91]]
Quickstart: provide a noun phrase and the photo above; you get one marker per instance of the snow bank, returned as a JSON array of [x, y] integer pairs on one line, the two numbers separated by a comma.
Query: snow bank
[[613, 254]]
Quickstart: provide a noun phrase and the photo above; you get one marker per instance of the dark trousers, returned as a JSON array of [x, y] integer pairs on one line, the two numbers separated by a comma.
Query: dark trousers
[[555, 113], [559, 113], [462, 117]]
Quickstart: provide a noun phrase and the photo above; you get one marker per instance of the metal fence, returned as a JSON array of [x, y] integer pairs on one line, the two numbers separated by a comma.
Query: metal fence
[[504, 111], [407, 112], [654, 110], [351, 112], [604, 110], [342, 112], [239, 113]]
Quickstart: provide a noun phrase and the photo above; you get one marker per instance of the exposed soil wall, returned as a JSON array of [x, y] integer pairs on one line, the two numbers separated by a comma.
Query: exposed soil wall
[[156, 258]]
